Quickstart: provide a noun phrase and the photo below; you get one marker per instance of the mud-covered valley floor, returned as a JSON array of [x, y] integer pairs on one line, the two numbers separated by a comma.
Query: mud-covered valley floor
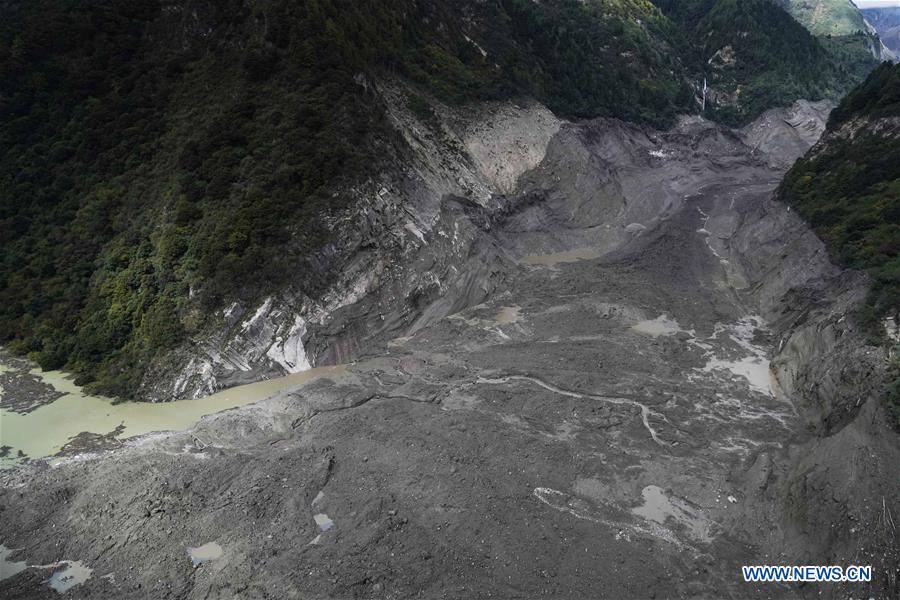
[[605, 425]]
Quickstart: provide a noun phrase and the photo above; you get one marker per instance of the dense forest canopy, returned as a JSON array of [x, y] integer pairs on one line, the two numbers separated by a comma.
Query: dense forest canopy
[[161, 158]]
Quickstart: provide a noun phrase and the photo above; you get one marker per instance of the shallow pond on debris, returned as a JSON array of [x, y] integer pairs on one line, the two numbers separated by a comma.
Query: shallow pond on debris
[[8, 568], [73, 573], [205, 553]]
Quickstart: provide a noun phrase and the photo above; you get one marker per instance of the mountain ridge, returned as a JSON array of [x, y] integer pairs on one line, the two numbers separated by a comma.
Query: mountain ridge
[[166, 160], [886, 21]]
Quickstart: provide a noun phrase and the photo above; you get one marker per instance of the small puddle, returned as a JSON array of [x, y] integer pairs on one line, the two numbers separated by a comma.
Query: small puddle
[[569, 256], [46, 430], [661, 325], [754, 365], [658, 507], [205, 553], [753, 368], [323, 521], [8, 568], [73, 573], [507, 315]]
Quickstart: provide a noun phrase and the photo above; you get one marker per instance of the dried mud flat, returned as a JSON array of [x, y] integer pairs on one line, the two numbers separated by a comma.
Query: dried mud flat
[[605, 425]]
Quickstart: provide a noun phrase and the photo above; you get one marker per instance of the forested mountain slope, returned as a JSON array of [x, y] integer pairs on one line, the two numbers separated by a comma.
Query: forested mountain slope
[[754, 55], [163, 157], [164, 160], [848, 187]]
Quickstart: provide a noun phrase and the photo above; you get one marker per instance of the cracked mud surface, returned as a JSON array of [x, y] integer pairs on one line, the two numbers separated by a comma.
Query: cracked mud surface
[[585, 432]]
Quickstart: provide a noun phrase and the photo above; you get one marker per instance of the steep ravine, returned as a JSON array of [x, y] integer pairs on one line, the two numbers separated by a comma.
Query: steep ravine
[[562, 389]]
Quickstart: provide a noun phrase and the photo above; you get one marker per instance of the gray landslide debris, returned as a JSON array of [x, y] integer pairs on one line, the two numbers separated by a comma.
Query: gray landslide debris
[[611, 367]]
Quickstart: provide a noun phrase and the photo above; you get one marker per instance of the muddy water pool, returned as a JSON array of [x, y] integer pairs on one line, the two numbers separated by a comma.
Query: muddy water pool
[[47, 429]]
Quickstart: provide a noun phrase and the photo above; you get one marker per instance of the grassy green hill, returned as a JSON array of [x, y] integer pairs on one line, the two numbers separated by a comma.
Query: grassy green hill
[[841, 29], [827, 17]]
